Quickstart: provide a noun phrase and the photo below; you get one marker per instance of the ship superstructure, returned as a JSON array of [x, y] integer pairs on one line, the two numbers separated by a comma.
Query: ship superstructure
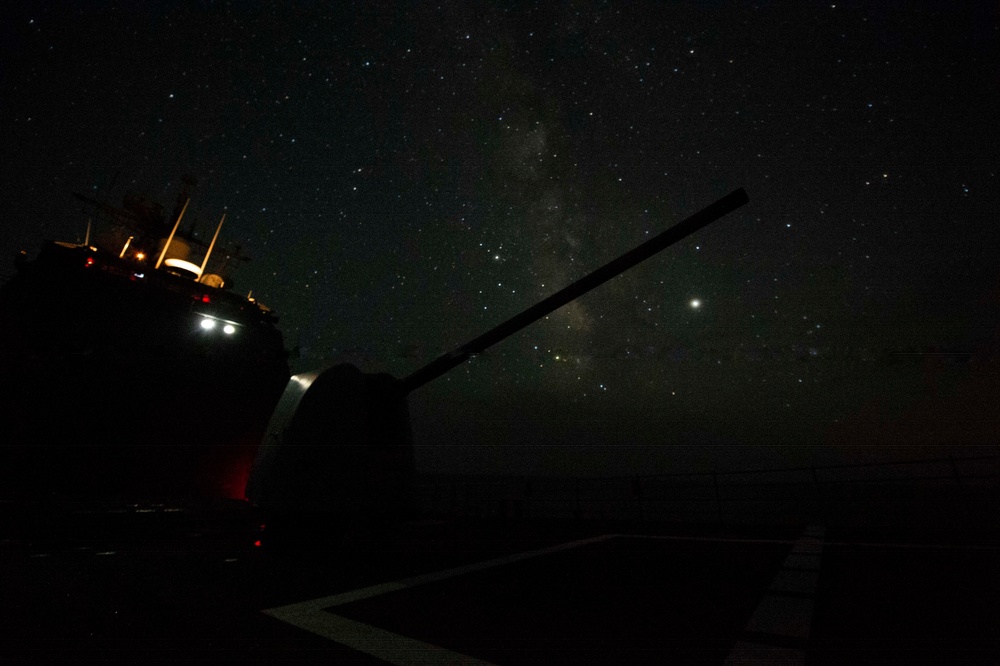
[[131, 367]]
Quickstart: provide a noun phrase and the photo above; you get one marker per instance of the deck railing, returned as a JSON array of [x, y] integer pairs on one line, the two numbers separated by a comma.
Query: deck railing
[[910, 493]]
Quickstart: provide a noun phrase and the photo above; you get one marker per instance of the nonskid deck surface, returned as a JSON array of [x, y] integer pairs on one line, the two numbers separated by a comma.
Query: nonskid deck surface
[[173, 582]]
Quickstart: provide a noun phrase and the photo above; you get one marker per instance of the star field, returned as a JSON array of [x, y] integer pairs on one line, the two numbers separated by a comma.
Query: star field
[[406, 177]]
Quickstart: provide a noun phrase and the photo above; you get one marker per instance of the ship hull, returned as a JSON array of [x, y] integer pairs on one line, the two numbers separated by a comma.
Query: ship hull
[[117, 386]]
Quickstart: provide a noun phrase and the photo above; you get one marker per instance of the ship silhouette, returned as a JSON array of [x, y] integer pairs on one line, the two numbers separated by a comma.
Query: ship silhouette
[[131, 371], [130, 367]]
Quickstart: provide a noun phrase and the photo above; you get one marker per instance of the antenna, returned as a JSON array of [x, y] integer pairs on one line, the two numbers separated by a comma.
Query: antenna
[[173, 231], [212, 245]]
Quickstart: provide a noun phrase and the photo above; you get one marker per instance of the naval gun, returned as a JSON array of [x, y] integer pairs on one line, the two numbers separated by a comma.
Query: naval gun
[[339, 442]]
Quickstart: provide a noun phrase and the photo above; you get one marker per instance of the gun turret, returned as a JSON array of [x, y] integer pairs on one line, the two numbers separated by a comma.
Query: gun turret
[[339, 442]]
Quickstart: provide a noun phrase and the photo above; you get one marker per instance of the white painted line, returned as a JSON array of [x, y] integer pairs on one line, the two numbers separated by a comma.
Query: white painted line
[[802, 562], [786, 618], [799, 576], [313, 616], [782, 616], [809, 544], [753, 653], [656, 537], [797, 582], [386, 645], [385, 588]]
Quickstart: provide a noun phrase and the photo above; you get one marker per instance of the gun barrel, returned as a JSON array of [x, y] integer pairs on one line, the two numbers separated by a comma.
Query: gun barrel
[[679, 231]]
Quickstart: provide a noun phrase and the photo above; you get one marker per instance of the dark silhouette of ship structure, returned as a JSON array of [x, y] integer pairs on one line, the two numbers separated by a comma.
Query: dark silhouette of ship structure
[[132, 370], [131, 367], [339, 444]]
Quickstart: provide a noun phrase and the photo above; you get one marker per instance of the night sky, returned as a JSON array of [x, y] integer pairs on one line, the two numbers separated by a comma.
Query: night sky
[[408, 175]]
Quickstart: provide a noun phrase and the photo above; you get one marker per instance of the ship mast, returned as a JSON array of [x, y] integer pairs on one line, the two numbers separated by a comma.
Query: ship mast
[[173, 231], [211, 245]]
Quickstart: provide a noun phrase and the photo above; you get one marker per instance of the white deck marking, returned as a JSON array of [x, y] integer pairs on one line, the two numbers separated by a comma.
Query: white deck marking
[[754, 653], [782, 616], [802, 562], [796, 582], [799, 577], [385, 588], [386, 645], [314, 615], [787, 618]]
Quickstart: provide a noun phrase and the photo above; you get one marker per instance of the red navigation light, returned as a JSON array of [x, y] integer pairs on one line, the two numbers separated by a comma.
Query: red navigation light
[[205, 298], [257, 543], [89, 262]]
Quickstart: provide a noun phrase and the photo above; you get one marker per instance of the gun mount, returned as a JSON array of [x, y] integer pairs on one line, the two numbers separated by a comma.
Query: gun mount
[[339, 442]]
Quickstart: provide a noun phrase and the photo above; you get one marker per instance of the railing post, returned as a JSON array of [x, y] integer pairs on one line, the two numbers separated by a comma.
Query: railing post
[[579, 506], [528, 490], [954, 471], [820, 499], [964, 501], [718, 500], [638, 494]]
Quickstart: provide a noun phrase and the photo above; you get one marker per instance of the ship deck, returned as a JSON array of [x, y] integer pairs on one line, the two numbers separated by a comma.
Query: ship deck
[[169, 582]]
